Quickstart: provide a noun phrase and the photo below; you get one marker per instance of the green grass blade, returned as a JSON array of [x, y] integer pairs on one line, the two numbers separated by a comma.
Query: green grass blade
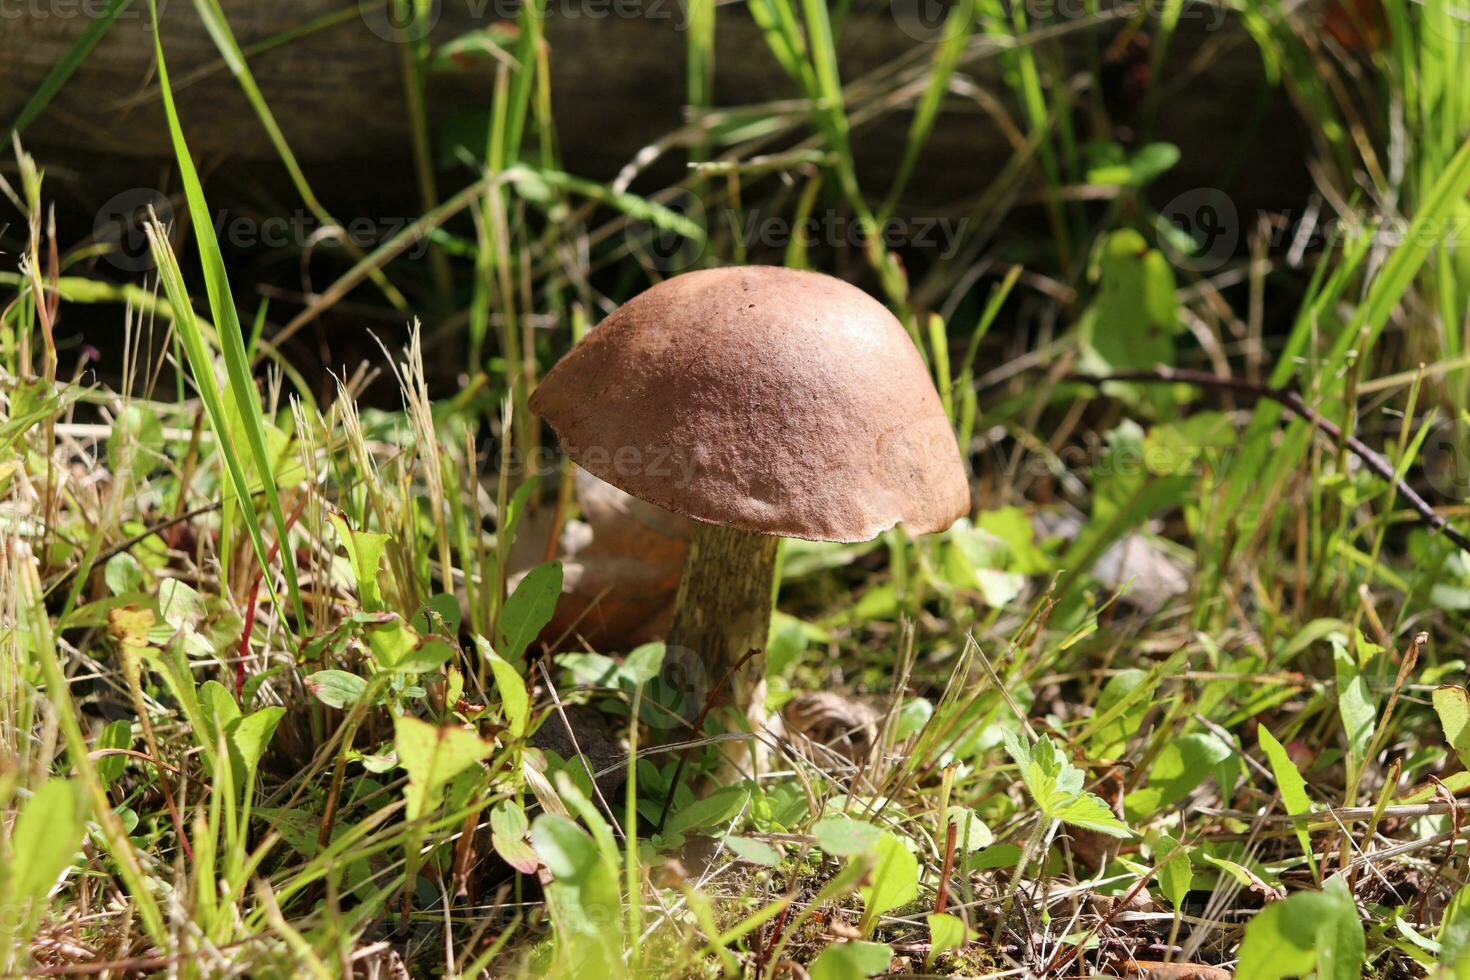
[[232, 349]]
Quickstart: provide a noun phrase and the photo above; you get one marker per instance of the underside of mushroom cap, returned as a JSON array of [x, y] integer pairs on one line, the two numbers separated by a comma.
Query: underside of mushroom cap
[[768, 399]]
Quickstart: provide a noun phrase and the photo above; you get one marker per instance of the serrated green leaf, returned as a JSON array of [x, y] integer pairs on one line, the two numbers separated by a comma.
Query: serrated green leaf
[[1056, 786]]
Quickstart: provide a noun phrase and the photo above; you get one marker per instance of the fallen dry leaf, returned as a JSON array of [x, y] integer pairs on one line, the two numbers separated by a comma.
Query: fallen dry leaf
[[620, 566]]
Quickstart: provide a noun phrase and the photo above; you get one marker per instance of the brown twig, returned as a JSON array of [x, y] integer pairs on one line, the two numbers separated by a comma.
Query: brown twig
[[941, 897], [1293, 403]]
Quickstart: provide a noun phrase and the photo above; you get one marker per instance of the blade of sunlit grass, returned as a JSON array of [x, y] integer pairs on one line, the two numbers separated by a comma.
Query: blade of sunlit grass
[[201, 364], [232, 346]]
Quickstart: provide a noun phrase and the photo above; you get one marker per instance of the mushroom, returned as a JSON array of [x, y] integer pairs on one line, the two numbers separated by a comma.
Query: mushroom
[[763, 403]]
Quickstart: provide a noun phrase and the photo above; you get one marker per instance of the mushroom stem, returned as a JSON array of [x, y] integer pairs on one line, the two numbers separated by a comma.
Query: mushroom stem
[[724, 611]]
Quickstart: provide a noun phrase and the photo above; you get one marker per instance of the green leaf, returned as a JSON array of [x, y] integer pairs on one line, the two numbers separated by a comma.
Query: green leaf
[[1056, 786], [946, 932], [433, 755], [336, 688], [135, 432], [117, 735], [399, 649], [786, 642], [123, 574], [1090, 812], [754, 851], [995, 856], [642, 664], [178, 603], [508, 828], [1452, 704], [844, 836], [440, 614], [971, 833], [529, 609], [45, 837], [1454, 935], [1308, 931], [590, 669], [583, 898], [1131, 325], [894, 881], [365, 555], [1293, 787], [1176, 873], [514, 700], [219, 709], [248, 738], [912, 718], [713, 811], [1354, 702], [851, 960], [1152, 160], [1181, 765]]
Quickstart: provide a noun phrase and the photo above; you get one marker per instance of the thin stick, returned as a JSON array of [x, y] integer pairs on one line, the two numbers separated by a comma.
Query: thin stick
[[1293, 403], [941, 897]]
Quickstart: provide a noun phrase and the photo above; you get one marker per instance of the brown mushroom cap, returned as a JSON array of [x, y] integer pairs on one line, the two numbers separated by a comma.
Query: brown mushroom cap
[[767, 399]]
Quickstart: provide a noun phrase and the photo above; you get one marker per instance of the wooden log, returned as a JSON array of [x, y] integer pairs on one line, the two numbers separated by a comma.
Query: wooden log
[[618, 85]]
